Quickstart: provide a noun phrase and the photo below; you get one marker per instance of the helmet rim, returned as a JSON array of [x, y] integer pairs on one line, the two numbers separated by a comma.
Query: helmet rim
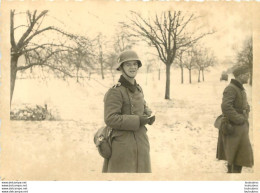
[[125, 58]]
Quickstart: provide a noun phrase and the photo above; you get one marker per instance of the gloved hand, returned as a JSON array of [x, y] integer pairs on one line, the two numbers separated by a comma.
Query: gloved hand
[[152, 119], [144, 120], [246, 114]]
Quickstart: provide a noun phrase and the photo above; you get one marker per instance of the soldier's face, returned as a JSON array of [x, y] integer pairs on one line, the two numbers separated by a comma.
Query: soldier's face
[[130, 68], [244, 78]]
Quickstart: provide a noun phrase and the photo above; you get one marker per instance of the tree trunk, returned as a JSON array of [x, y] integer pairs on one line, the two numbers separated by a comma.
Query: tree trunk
[[168, 78], [159, 74], [202, 74], [77, 74], [14, 60], [89, 75], [102, 70], [190, 75], [199, 76], [181, 74]]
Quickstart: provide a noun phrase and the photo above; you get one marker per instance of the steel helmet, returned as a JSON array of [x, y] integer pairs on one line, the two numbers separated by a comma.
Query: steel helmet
[[127, 55], [238, 70]]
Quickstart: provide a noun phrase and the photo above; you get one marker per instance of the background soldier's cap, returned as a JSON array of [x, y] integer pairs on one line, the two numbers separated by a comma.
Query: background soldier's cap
[[127, 55], [238, 70]]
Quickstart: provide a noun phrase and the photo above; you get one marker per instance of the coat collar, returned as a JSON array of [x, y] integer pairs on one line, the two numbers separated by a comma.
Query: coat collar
[[127, 84], [238, 84]]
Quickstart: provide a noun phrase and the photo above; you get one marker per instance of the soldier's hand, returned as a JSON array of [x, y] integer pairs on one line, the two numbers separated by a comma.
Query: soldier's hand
[[152, 119], [245, 113], [248, 108], [144, 120], [148, 111]]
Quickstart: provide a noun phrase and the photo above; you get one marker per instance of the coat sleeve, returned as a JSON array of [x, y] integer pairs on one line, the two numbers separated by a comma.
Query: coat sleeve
[[227, 106], [113, 103], [147, 110]]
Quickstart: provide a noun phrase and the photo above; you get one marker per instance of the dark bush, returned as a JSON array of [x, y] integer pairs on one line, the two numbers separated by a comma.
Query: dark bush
[[37, 113]]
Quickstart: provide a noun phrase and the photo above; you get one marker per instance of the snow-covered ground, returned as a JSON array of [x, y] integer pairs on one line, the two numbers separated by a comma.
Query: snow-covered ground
[[183, 138]]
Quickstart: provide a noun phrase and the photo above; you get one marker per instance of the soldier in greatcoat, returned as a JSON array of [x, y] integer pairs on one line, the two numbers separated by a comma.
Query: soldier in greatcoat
[[125, 111], [235, 147]]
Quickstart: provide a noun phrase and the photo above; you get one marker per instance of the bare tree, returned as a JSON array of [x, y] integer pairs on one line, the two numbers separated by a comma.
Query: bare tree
[[80, 57], [48, 57], [122, 41], [245, 56], [180, 63], [101, 43], [210, 60], [203, 59], [198, 60], [152, 61], [189, 62], [36, 54], [166, 32], [110, 62], [149, 64]]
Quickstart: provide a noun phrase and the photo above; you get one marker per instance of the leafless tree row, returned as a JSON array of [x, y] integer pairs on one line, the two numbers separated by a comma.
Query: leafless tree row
[[171, 34]]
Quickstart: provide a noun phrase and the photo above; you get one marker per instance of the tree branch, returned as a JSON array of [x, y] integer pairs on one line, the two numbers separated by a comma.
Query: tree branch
[[32, 24], [37, 46], [21, 26], [193, 40], [28, 66], [185, 24], [58, 69]]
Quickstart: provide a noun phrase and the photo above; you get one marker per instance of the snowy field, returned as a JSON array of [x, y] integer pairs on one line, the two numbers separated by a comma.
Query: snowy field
[[183, 138]]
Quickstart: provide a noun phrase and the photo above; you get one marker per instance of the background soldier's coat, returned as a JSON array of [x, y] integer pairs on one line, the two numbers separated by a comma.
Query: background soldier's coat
[[235, 148]]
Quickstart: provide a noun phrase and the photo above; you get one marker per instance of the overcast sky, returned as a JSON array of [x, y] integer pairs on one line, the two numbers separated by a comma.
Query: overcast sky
[[231, 22]]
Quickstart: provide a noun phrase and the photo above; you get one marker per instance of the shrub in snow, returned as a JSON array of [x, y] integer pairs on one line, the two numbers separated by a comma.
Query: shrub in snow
[[36, 113]]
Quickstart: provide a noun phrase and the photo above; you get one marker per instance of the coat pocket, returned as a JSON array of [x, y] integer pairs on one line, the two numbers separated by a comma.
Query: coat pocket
[[226, 127], [218, 121]]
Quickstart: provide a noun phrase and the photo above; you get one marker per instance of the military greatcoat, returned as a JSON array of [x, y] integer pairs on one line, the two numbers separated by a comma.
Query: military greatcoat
[[123, 104], [236, 147]]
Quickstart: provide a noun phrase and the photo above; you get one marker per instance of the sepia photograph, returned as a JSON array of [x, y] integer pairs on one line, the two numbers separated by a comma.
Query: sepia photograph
[[105, 90]]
